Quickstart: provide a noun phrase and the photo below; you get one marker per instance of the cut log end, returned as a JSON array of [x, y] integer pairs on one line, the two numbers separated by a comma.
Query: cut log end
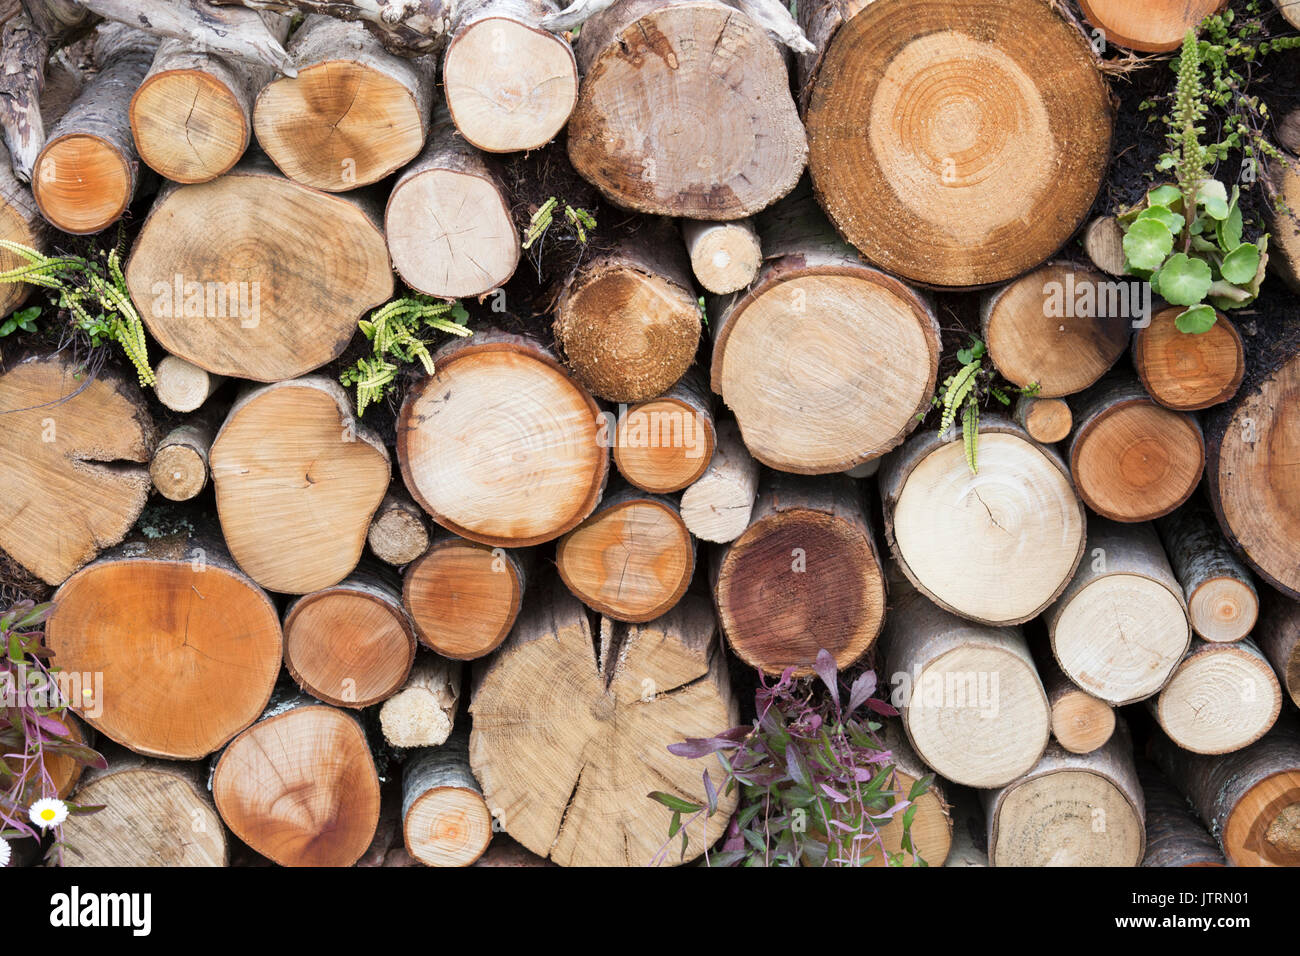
[[527, 111], [718, 505], [1265, 825], [1004, 178], [632, 560], [1223, 609], [82, 183], [398, 533], [183, 386], [350, 645], [725, 256], [1189, 372], [1222, 697], [179, 469], [300, 788], [1080, 722], [1149, 27], [423, 712], [448, 826], [665, 444], [463, 597], [539, 469], [1103, 241], [188, 125], [1048, 420]]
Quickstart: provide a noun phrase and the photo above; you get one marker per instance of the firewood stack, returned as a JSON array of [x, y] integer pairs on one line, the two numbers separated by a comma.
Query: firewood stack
[[466, 624]]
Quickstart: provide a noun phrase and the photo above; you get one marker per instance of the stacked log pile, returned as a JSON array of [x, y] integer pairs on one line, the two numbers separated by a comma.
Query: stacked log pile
[[463, 626]]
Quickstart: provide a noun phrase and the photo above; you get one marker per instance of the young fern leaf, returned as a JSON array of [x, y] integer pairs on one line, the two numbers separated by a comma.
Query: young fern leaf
[[970, 433], [959, 387]]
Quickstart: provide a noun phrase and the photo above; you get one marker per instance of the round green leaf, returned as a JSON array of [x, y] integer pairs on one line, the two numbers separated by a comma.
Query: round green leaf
[[1184, 280], [1173, 222], [1146, 243], [1164, 195], [1239, 266], [1197, 319], [1213, 195]]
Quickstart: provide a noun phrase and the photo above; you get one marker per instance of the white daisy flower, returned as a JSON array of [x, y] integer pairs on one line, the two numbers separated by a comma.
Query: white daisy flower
[[48, 812], [5, 853]]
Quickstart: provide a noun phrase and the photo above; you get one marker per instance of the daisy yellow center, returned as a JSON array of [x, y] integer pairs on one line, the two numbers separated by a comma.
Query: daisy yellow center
[[47, 814]]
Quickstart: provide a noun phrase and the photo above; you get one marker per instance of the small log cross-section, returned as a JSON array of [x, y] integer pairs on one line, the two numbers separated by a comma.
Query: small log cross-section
[[155, 813], [187, 649], [463, 597], [1120, 627], [1174, 836], [1189, 372], [192, 116], [276, 291], [352, 115], [74, 456], [1061, 327], [627, 321], [399, 531], [1249, 800], [1250, 472], [352, 644], [1222, 602], [1151, 26], [1048, 420], [1103, 241], [500, 445], [1132, 459], [300, 785], [1071, 810], [1080, 722], [577, 792], [718, 505], [632, 560], [969, 695], [954, 143], [86, 175], [510, 84], [825, 362], [179, 469], [444, 819], [996, 546], [448, 219], [725, 256], [1279, 638], [664, 444], [805, 575], [1222, 697], [423, 712], [684, 110], [183, 386], [297, 482]]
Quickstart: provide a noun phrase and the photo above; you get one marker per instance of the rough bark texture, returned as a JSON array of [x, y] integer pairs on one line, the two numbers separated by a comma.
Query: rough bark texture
[[1018, 511], [423, 712], [805, 575], [405, 27], [1249, 800], [1279, 637], [88, 170], [1222, 602], [1174, 836]]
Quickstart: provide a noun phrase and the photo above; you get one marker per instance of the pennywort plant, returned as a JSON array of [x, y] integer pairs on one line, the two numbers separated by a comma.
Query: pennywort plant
[[33, 729], [395, 332], [816, 783], [1188, 238]]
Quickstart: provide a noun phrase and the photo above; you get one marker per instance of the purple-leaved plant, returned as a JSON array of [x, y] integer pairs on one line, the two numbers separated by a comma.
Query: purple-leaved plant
[[33, 726], [816, 782]]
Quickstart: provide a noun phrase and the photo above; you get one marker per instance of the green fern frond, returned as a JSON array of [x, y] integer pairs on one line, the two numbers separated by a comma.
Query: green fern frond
[[970, 433], [958, 387]]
